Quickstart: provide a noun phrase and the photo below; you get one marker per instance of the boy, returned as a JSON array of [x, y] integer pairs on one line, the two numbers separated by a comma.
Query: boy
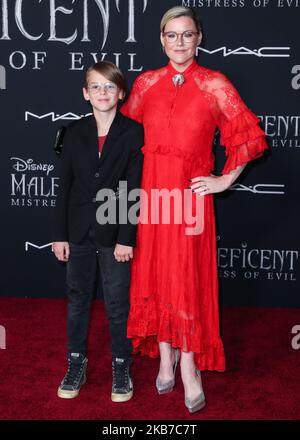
[[98, 152]]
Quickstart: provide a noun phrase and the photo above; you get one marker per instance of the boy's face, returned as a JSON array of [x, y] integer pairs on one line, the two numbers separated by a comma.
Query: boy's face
[[102, 94]]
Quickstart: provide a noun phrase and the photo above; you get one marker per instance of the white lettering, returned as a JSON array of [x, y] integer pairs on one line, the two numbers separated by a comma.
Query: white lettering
[[23, 60], [38, 59], [19, 21], [53, 10]]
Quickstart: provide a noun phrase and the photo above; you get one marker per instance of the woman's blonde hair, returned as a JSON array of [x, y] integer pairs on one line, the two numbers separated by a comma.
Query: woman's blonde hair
[[180, 11]]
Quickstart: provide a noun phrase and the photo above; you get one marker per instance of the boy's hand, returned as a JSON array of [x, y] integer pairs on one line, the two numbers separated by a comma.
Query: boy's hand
[[123, 253], [61, 250]]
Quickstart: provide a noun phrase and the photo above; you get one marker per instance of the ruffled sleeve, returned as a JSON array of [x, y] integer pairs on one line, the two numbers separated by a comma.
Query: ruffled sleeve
[[243, 139], [241, 134]]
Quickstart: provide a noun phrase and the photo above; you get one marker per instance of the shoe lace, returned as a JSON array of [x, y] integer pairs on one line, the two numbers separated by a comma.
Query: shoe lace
[[73, 373], [120, 375]]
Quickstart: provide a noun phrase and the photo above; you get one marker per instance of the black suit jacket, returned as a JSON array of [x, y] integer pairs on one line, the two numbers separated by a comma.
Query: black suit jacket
[[83, 174]]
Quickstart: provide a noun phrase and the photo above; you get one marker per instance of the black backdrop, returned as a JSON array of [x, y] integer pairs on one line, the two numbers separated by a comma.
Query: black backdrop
[[44, 45]]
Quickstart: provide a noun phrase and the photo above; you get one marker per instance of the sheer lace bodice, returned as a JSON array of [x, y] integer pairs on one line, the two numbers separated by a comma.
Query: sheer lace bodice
[[183, 120]]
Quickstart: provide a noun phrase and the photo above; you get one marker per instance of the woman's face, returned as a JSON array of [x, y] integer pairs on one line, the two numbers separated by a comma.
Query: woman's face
[[182, 51]]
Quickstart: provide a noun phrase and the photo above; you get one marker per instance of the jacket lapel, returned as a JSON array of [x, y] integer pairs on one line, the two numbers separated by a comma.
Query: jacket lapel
[[91, 140], [110, 141]]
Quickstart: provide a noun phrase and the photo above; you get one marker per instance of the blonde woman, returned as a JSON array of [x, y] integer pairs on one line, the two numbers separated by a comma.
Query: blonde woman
[[174, 291]]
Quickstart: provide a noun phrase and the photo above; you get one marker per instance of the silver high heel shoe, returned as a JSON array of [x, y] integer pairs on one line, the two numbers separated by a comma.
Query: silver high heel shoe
[[167, 387], [198, 402]]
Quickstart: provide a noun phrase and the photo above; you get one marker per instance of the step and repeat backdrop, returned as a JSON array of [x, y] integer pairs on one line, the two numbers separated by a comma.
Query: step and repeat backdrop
[[45, 47]]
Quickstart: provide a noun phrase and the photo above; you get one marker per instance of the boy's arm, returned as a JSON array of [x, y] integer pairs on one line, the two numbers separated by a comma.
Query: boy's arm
[[60, 227], [127, 232]]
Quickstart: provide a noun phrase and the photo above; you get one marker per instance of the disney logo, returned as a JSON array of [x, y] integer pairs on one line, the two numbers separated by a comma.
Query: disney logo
[[28, 165]]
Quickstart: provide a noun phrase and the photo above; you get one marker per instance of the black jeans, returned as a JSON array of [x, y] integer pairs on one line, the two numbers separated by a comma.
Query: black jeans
[[81, 278]]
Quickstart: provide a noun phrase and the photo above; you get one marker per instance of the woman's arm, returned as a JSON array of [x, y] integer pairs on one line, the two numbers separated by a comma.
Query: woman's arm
[[215, 184], [241, 136]]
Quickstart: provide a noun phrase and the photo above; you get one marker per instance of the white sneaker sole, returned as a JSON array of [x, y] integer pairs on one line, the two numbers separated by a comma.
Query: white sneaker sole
[[121, 397], [65, 394]]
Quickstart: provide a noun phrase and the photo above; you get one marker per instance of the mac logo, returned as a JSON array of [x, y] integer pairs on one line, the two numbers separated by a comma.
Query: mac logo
[[262, 52], [28, 244], [259, 188], [55, 117]]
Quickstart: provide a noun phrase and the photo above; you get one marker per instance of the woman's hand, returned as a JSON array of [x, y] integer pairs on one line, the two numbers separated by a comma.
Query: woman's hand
[[61, 250], [212, 184], [123, 253], [209, 184]]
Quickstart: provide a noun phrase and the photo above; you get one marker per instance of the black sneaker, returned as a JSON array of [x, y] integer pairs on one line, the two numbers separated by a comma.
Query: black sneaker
[[122, 387], [75, 376]]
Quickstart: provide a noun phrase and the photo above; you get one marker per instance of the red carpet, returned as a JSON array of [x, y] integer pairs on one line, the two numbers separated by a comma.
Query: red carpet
[[261, 382]]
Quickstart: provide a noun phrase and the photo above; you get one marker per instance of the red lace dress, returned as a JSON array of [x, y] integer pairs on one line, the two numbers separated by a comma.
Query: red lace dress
[[174, 287]]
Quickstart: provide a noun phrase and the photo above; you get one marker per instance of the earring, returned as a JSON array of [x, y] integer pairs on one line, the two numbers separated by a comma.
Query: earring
[[163, 49]]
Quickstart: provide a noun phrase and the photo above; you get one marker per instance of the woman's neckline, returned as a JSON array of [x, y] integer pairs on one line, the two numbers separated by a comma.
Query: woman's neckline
[[185, 72]]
